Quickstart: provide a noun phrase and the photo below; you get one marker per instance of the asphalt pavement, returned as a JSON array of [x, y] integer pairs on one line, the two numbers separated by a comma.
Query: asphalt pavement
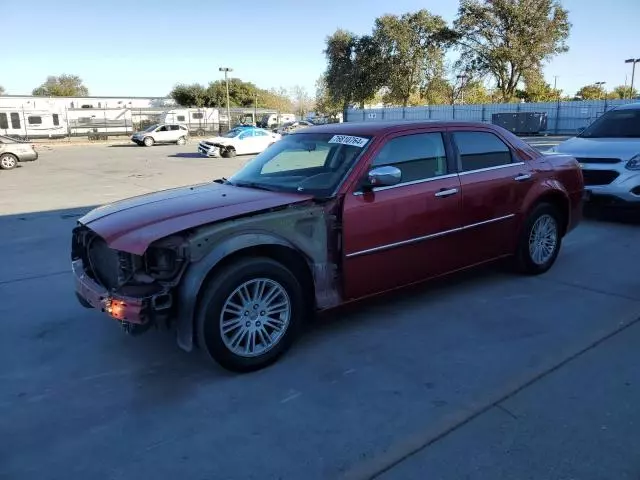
[[484, 375]]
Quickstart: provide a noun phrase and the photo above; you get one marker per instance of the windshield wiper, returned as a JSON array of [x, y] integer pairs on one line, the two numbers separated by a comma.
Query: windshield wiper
[[257, 186]]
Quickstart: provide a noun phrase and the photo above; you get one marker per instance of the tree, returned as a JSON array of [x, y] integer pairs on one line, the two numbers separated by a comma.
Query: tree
[[412, 52], [194, 95], [368, 69], [325, 104], [241, 94], [624, 91], [302, 101], [339, 77], [2, 90], [592, 92], [537, 89], [62, 86], [509, 38]]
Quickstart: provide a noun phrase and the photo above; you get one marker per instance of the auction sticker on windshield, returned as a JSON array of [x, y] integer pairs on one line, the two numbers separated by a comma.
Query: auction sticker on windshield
[[349, 140]]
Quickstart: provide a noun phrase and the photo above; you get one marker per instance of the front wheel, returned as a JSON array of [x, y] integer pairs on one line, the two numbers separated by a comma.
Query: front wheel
[[148, 142], [229, 152], [540, 240], [8, 161], [181, 141], [250, 314]]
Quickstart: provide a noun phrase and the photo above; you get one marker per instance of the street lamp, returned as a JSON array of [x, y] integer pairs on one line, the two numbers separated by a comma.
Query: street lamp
[[633, 61], [226, 71], [600, 88]]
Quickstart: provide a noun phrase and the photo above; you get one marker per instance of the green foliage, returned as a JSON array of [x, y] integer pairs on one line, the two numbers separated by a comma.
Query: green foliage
[[412, 53], [241, 94], [623, 91], [536, 89], [325, 104], [508, 39], [62, 86], [591, 92], [340, 75]]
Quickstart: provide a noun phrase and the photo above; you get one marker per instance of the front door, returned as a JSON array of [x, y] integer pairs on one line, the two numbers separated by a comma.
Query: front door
[[161, 134], [494, 184], [400, 234]]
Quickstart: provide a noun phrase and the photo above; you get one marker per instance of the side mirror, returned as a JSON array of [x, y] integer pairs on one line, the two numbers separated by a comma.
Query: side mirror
[[383, 177]]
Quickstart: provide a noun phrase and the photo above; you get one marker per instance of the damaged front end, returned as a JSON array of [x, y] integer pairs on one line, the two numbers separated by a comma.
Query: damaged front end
[[136, 290]]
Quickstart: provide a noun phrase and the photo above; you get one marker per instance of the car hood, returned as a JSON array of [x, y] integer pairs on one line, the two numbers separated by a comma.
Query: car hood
[[623, 148], [133, 224]]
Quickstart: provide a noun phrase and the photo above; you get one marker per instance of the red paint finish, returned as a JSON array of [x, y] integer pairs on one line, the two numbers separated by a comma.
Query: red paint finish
[[132, 224]]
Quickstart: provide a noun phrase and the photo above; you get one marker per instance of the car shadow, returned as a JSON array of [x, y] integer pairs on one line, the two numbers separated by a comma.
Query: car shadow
[[613, 215], [186, 155]]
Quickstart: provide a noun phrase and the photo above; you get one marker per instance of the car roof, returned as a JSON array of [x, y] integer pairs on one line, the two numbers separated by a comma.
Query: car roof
[[629, 106], [385, 126]]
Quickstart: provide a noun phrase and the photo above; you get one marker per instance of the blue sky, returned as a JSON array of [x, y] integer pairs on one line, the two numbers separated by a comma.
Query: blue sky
[[144, 47]]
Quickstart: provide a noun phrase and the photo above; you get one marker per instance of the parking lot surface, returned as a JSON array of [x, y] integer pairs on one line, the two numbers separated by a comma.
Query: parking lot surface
[[483, 375]]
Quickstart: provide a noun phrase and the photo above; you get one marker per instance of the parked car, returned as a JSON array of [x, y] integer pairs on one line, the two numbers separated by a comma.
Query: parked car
[[13, 151], [161, 133], [291, 127], [328, 215], [609, 153], [238, 141]]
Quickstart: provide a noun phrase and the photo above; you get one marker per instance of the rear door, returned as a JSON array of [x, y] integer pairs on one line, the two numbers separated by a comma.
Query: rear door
[[174, 133], [494, 183], [400, 234]]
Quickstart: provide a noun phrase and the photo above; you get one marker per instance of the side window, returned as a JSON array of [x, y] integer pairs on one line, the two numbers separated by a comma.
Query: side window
[[34, 120], [259, 133], [162, 129], [15, 120], [197, 116], [4, 124], [245, 135], [481, 150], [180, 118], [56, 119], [174, 127], [182, 127], [419, 156]]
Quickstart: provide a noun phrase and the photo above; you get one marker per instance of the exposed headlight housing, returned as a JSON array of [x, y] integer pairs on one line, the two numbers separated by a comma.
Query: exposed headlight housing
[[634, 163]]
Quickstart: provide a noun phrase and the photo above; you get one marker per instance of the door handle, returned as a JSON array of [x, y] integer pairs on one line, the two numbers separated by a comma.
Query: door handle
[[447, 192], [522, 177]]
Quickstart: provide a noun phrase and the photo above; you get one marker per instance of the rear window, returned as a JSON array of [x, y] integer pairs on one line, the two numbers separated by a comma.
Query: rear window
[[479, 150], [15, 120], [34, 120]]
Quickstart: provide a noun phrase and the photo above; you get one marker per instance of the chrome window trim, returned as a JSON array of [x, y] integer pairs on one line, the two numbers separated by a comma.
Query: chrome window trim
[[488, 169], [404, 184], [426, 237]]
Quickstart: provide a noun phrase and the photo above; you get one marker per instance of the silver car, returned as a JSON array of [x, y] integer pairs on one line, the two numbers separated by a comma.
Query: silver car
[[13, 151], [609, 154]]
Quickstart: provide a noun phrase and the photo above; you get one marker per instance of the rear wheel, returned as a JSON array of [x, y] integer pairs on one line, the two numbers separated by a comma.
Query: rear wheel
[[540, 241], [148, 141], [8, 161], [181, 141], [229, 152], [250, 314]]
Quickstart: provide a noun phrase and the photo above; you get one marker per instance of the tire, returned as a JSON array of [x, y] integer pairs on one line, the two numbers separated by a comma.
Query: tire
[[544, 216], [8, 161], [181, 141], [229, 152], [200, 133], [148, 141], [223, 288]]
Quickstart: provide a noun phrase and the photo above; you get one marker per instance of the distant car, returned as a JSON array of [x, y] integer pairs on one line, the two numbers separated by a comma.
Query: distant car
[[238, 141], [161, 133], [326, 216], [609, 153], [291, 127], [13, 151]]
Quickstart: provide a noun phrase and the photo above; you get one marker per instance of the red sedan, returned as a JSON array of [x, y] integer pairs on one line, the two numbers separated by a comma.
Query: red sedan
[[327, 215]]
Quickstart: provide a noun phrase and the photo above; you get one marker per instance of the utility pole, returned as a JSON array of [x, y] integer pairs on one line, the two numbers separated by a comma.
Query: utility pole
[[600, 88], [226, 71], [255, 109], [633, 61], [462, 78]]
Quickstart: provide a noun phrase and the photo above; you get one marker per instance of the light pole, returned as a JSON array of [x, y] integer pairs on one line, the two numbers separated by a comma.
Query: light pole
[[255, 109], [226, 71], [633, 61], [600, 88]]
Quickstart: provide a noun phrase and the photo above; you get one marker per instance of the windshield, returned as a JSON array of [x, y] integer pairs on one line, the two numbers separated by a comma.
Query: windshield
[[233, 132], [309, 162], [615, 124], [151, 128]]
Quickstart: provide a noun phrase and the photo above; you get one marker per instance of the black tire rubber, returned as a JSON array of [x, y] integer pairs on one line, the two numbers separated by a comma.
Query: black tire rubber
[[523, 262], [12, 157], [214, 295], [229, 152], [144, 142]]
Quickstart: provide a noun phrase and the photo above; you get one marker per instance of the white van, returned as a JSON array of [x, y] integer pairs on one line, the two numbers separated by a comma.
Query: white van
[[25, 123], [272, 120]]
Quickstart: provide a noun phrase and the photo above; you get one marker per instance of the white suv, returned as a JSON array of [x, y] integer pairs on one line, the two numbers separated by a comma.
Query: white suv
[[609, 153], [162, 133]]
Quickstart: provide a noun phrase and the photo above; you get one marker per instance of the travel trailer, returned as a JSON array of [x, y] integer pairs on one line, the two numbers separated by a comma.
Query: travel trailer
[[106, 121], [198, 121], [272, 120], [28, 123]]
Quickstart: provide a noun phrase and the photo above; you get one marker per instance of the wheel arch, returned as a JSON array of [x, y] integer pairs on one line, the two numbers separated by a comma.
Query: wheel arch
[[554, 194], [226, 253]]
